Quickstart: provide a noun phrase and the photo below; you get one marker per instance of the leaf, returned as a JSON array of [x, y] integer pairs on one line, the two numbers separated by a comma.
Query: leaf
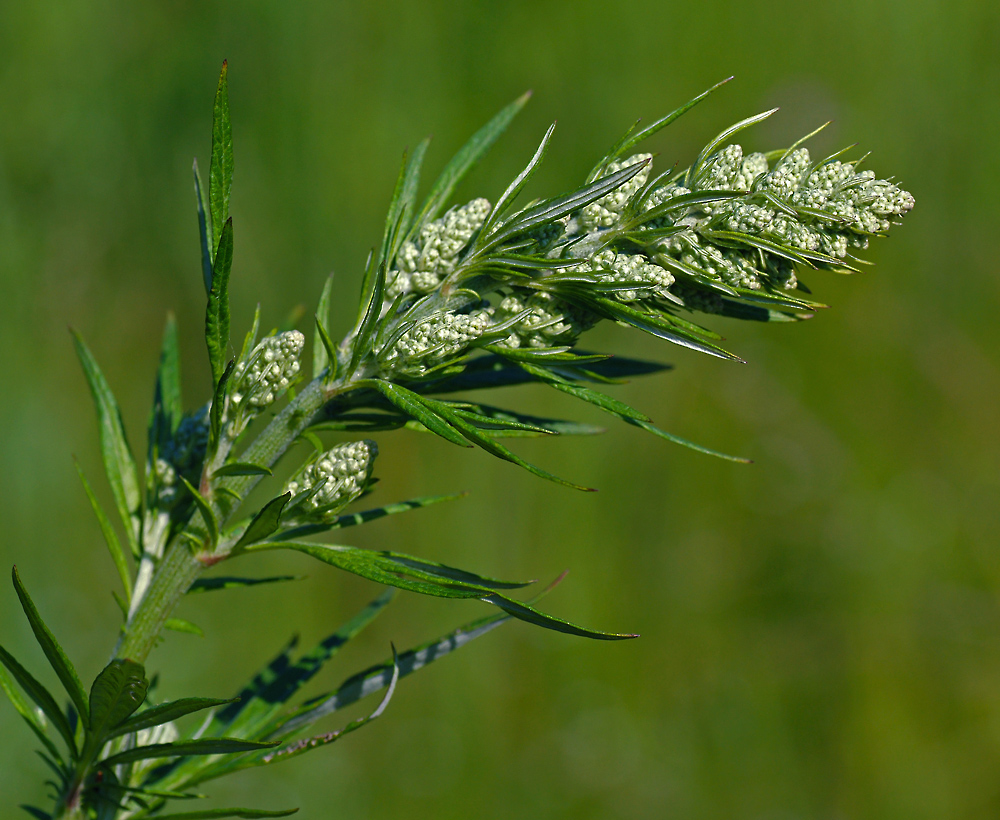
[[220, 174], [598, 399], [401, 207], [706, 152], [205, 746], [118, 691], [41, 696], [476, 436], [324, 352], [466, 158], [53, 651], [35, 812], [264, 523], [204, 230], [167, 404], [508, 197], [656, 431], [241, 468], [207, 513], [230, 582], [35, 723], [414, 406], [114, 547], [166, 712], [366, 328], [217, 410], [180, 625], [210, 813], [217, 311], [355, 519], [118, 462], [633, 137], [524, 612]]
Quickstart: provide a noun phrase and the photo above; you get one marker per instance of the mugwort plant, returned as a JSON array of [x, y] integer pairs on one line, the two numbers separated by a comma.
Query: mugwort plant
[[454, 297]]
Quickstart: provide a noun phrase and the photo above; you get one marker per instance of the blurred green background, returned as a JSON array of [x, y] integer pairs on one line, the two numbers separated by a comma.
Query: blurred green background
[[821, 630]]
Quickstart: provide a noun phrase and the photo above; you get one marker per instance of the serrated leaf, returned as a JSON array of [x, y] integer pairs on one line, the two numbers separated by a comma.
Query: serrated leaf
[[206, 814], [230, 582], [110, 538], [324, 352], [205, 233], [166, 712], [241, 468], [463, 161], [220, 175], [207, 513], [183, 748], [180, 625], [53, 651], [264, 523], [115, 453], [42, 698], [118, 691], [217, 310]]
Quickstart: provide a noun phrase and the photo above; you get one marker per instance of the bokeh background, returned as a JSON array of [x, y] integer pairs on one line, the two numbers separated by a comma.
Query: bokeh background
[[821, 630]]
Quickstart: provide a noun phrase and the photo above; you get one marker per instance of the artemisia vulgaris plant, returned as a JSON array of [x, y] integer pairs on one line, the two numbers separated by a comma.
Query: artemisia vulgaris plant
[[455, 297]]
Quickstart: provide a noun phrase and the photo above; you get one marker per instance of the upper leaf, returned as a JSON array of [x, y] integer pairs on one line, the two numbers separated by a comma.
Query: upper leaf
[[220, 175], [217, 311], [117, 692]]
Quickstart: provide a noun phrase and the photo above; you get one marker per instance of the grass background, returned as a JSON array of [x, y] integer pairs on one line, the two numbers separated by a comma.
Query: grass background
[[821, 630]]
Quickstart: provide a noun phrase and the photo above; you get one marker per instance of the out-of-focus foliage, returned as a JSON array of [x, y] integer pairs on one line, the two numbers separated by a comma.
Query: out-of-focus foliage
[[820, 629]]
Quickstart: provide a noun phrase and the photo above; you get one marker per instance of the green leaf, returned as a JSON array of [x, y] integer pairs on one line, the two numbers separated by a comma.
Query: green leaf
[[218, 408], [53, 651], [35, 723], [230, 582], [180, 625], [324, 352], [117, 692], [466, 158], [205, 746], [220, 175], [207, 513], [656, 431], [217, 311], [413, 405], [264, 523], [486, 442], [694, 171], [524, 612], [241, 468], [166, 712], [36, 812], [400, 215], [42, 698], [355, 519], [210, 813], [366, 328], [598, 399], [118, 462], [633, 137], [114, 546], [167, 407], [508, 197], [204, 231]]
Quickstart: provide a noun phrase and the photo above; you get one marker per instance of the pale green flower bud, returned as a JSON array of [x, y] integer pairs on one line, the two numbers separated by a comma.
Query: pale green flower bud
[[435, 340], [440, 243], [604, 212], [333, 480], [622, 267], [270, 369], [544, 320]]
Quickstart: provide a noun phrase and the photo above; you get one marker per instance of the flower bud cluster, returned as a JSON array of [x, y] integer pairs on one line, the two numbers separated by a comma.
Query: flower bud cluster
[[651, 280], [605, 212], [269, 370], [435, 340], [541, 320], [182, 456], [333, 480], [435, 253]]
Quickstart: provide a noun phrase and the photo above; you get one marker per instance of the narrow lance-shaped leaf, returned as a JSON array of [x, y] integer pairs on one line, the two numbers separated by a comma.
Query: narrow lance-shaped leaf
[[166, 712], [180, 625], [53, 651], [221, 170], [117, 692], [241, 468], [265, 522], [35, 723], [42, 698], [465, 160], [323, 350], [205, 233], [207, 513], [206, 746], [508, 196], [210, 814], [167, 404], [115, 453], [230, 582], [110, 538], [401, 207], [217, 311], [412, 404]]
